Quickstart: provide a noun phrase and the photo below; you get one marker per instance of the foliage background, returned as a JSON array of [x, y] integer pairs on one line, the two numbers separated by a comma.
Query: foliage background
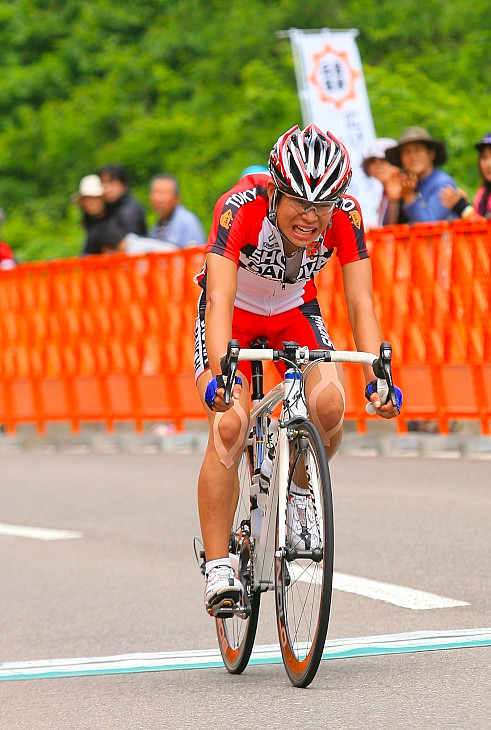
[[202, 89]]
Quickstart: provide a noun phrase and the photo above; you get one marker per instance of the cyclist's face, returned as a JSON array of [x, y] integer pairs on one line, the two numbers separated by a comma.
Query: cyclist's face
[[302, 222]]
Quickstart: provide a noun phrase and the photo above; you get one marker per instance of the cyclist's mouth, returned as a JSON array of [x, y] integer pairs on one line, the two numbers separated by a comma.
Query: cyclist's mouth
[[303, 231]]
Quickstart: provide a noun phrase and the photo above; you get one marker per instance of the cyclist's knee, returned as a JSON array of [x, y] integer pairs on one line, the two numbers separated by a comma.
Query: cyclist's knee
[[228, 427], [329, 406], [228, 433], [326, 404]]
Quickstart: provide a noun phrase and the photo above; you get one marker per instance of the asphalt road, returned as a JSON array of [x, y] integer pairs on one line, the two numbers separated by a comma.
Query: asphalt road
[[129, 584]]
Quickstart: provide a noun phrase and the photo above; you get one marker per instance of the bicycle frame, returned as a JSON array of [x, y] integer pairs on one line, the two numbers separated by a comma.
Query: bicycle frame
[[290, 394], [290, 546]]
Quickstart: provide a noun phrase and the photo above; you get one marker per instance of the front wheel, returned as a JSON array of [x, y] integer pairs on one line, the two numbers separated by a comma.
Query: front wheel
[[304, 565], [236, 633]]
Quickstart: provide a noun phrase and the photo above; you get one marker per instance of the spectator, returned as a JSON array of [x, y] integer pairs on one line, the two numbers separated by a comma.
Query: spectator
[[482, 201], [120, 204], [420, 182], [7, 260], [378, 166], [111, 238], [176, 224], [458, 200], [90, 198]]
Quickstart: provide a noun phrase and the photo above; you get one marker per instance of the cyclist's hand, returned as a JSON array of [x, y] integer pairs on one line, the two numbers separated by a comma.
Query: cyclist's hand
[[384, 410], [215, 392]]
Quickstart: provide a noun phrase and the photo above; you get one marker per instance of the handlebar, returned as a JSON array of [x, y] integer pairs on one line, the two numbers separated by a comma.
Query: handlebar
[[297, 355]]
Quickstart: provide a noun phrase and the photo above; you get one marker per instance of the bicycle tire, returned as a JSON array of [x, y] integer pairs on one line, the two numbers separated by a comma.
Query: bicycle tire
[[236, 634], [303, 586]]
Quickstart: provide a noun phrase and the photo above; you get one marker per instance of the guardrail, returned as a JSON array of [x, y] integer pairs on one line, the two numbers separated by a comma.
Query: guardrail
[[111, 338]]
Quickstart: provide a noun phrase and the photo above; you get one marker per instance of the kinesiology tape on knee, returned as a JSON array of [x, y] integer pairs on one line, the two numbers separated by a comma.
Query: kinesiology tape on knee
[[226, 455], [323, 383]]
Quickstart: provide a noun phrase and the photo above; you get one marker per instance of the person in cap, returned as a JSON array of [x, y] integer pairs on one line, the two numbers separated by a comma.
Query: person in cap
[[90, 196], [458, 199], [376, 165], [482, 201], [90, 199], [419, 156]]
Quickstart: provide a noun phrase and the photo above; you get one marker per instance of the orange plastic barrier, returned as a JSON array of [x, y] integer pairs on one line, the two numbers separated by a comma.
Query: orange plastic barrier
[[111, 338], [99, 339]]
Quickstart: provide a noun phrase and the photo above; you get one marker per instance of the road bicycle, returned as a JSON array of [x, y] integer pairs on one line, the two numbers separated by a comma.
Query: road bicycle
[[267, 551]]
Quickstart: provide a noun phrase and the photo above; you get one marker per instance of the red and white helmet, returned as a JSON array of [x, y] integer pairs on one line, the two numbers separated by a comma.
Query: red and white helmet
[[310, 164]]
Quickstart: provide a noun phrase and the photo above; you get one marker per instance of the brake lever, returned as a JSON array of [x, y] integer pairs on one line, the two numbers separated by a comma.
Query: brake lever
[[382, 367], [228, 365]]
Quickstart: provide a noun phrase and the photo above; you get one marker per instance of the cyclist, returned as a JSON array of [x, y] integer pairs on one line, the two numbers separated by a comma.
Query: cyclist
[[270, 236]]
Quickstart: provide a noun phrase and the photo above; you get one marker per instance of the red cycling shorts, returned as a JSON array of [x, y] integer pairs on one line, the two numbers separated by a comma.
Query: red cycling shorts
[[303, 324]]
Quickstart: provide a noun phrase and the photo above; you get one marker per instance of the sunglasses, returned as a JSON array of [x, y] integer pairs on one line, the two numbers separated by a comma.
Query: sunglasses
[[303, 206]]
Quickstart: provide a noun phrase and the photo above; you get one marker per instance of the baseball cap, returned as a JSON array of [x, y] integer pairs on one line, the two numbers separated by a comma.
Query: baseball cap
[[90, 187], [484, 142], [377, 150]]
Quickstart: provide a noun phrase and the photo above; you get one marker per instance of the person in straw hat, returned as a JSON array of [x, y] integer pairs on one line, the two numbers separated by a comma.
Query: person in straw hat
[[419, 157]]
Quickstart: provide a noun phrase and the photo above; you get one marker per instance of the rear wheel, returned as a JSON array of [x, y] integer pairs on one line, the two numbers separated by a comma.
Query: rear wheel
[[303, 568], [236, 633]]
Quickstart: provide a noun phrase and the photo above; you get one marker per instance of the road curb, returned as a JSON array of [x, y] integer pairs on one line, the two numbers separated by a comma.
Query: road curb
[[353, 444]]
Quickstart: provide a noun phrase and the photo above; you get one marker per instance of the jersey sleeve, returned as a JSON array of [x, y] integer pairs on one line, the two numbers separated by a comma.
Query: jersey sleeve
[[348, 232], [225, 238]]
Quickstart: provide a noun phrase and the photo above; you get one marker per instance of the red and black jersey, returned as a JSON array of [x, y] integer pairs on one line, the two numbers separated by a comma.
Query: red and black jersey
[[243, 233]]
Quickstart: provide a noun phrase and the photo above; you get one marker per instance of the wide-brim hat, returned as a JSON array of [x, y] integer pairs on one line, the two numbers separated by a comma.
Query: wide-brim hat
[[417, 134], [90, 187], [377, 151], [485, 142]]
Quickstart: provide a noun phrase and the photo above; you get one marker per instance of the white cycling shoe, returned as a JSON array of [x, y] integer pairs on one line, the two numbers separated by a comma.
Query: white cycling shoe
[[303, 531], [223, 590]]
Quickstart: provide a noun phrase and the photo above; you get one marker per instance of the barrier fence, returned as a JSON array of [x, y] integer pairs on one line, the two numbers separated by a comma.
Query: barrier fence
[[111, 338]]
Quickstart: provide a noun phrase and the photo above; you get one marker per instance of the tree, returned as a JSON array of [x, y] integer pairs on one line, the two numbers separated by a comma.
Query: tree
[[202, 90]]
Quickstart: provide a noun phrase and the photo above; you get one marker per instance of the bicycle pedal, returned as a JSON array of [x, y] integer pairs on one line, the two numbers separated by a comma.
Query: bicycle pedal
[[223, 609]]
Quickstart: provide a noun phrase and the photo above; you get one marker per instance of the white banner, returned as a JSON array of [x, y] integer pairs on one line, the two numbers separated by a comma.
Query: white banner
[[333, 95]]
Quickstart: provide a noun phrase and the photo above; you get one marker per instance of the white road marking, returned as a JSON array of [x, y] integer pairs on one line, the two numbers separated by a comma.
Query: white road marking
[[395, 594], [378, 591], [37, 533], [270, 654]]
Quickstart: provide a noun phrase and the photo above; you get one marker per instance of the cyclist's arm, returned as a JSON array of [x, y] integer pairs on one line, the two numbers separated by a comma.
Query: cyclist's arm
[[221, 287], [357, 279]]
